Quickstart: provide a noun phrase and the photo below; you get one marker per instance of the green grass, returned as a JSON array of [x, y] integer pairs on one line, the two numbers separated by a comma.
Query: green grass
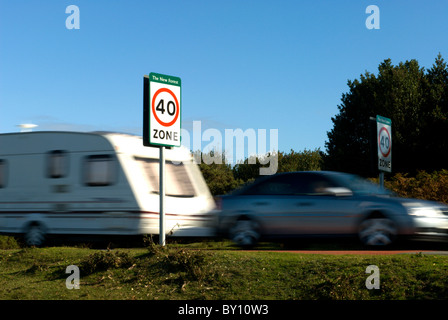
[[177, 272]]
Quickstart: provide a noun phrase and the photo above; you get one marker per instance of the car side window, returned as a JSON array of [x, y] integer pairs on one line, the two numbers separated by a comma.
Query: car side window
[[267, 186], [318, 185], [275, 188], [291, 184], [282, 184]]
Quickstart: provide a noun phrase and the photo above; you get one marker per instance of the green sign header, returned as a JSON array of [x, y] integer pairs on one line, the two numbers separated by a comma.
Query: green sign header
[[383, 120], [162, 78]]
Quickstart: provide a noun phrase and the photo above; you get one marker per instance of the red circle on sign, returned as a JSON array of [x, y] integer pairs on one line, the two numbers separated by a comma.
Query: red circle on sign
[[390, 146], [165, 124]]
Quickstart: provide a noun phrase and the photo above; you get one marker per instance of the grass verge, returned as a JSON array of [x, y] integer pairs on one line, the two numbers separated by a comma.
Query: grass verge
[[173, 272]]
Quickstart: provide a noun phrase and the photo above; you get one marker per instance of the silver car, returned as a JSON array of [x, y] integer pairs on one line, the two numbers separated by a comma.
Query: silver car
[[321, 203]]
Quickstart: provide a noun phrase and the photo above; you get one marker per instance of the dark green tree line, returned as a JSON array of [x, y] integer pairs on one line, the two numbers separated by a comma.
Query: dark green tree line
[[415, 99], [223, 178]]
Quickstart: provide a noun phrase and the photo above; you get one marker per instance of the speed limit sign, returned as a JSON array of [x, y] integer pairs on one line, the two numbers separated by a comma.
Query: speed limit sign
[[384, 135], [164, 110], [161, 126]]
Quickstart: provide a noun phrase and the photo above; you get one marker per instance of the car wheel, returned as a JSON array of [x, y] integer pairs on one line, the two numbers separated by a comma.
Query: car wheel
[[35, 235], [377, 232], [245, 233]]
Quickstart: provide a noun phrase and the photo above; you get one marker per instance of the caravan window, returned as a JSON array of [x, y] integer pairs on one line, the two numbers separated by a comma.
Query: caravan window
[[99, 170], [2, 173], [57, 164], [178, 183]]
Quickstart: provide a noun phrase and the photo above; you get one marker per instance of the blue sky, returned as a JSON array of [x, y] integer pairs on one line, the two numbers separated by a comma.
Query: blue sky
[[244, 64]]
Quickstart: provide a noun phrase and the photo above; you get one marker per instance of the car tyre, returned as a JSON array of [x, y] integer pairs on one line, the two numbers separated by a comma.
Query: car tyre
[[245, 233], [35, 235], [377, 232]]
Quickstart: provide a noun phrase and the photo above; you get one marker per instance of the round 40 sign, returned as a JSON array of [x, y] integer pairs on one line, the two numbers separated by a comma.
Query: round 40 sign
[[165, 107], [165, 110], [384, 143]]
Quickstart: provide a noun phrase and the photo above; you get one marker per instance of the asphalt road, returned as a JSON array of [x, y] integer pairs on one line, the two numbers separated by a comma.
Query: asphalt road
[[343, 247], [363, 252]]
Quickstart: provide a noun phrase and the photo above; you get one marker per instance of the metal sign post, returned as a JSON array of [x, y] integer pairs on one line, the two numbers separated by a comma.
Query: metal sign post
[[162, 196], [161, 126], [382, 180]]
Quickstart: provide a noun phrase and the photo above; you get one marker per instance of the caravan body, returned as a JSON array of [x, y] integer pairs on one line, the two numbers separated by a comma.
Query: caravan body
[[97, 183]]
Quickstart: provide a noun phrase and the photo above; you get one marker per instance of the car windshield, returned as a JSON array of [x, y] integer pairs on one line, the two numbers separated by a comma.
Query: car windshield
[[361, 186]]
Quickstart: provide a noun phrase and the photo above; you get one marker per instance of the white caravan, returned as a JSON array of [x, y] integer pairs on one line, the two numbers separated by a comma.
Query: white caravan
[[97, 184]]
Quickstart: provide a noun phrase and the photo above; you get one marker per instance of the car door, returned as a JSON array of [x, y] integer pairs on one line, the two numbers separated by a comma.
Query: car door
[[321, 212], [274, 202]]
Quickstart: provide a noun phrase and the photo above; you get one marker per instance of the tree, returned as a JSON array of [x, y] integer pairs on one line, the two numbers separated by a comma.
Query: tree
[[306, 160], [294, 161], [218, 176], [415, 101], [435, 138]]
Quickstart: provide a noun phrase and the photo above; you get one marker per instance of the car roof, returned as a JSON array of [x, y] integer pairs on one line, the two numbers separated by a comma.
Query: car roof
[[316, 173], [262, 178], [312, 172]]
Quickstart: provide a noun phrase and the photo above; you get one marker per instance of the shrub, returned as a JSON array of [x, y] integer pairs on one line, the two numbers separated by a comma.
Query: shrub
[[104, 260], [427, 186], [7, 242], [190, 264]]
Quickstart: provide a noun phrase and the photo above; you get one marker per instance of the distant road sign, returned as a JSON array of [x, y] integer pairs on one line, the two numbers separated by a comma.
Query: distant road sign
[[164, 125], [384, 130]]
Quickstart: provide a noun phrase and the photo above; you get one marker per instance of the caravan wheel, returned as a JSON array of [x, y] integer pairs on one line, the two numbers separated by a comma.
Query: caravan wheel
[[35, 236]]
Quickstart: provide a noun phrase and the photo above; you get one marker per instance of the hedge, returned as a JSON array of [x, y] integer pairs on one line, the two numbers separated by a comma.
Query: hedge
[[427, 186]]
